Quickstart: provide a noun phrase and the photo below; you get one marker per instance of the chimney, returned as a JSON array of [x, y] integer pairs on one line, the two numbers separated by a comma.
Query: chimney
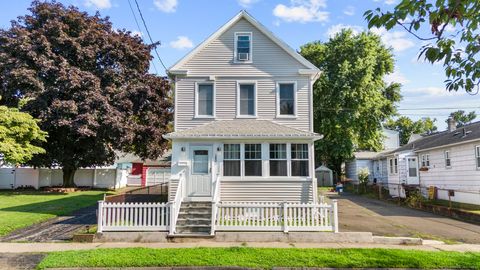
[[452, 124]]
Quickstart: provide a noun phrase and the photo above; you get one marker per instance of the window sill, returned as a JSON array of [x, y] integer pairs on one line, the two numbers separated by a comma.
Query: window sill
[[247, 116], [203, 117], [242, 62], [286, 117]]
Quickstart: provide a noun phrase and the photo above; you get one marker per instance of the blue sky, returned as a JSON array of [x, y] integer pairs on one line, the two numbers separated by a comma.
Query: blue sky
[[182, 24]]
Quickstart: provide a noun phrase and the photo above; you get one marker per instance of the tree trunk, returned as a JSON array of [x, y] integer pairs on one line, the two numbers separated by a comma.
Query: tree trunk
[[68, 176]]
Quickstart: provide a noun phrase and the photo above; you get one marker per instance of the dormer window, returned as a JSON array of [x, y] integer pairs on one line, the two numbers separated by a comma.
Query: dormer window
[[243, 47]]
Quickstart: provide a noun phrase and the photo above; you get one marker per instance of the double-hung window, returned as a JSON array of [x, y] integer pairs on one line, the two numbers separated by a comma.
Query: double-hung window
[[477, 155], [231, 160], [286, 95], [253, 160], [243, 47], [205, 100], [278, 159], [427, 160], [299, 159], [448, 160], [393, 165], [395, 161], [246, 106]]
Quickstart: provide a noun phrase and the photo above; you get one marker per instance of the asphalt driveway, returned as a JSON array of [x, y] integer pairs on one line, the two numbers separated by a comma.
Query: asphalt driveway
[[359, 213]]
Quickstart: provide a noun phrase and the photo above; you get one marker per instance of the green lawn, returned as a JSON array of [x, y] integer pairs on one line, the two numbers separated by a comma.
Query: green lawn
[[265, 258], [19, 209]]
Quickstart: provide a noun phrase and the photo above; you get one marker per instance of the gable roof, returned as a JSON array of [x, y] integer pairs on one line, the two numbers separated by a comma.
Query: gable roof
[[176, 68], [467, 133], [243, 128]]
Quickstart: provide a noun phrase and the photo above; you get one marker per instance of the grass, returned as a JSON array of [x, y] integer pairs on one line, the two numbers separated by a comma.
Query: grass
[[19, 209], [264, 258], [458, 205]]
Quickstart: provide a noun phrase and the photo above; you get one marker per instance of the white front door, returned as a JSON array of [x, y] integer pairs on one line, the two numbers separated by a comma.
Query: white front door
[[412, 173], [200, 181]]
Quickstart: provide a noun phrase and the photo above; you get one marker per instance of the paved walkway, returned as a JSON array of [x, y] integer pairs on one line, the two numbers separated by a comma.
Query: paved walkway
[[57, 229], [51, 247], [359, 213]]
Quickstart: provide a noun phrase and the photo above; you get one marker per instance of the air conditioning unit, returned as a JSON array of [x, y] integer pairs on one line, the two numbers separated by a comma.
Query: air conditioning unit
[[243, 56]]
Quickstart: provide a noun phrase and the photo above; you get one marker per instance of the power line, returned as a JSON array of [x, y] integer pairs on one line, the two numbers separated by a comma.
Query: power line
[[140, 29], [149, 36]]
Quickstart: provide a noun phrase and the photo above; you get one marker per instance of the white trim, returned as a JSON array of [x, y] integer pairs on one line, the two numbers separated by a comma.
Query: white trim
[[295, 100], [235, 44], [213, 97], [477, 156], [243, 14], [255, 101]]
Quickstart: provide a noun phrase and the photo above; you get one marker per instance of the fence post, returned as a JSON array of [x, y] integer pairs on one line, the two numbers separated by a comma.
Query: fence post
[[100, 217], [172, 217], [335, 216], [285, 217]]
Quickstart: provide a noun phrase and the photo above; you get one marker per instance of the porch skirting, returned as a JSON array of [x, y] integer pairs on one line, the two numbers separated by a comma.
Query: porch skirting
[[240, 237]]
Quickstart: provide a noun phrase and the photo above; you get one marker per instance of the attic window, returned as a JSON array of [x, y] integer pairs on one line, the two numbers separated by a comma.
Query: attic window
[[243, 47]]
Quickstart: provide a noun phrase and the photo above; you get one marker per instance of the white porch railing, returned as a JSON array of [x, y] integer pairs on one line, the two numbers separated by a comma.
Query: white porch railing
[[133, 216], [264, 216], [177, 202], [215, 201]]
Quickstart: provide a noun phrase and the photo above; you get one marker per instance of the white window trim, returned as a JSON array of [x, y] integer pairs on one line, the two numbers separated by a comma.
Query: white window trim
[[395, 165], [294, 115], [477, 155], [299, 159], [213, 96], [250, 59], [427, 160], [255, 101], [243, 159], [445, 158]]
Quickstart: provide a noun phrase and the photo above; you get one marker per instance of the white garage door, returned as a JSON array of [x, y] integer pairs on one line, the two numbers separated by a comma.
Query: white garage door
[[7, 176], [157, 176]]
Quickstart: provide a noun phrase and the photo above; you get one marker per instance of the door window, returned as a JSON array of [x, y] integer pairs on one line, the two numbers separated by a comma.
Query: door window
[[412, 167], [200, 161]]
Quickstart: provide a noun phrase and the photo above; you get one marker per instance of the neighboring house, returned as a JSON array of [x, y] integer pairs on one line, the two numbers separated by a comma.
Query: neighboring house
[[448, 160], [375, 162]]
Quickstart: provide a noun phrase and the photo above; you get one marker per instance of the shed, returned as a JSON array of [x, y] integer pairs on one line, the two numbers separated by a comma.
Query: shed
[[324, 176]]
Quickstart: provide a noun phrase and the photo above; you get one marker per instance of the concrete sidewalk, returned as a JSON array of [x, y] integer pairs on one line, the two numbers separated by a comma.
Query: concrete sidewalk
[[51, 247]]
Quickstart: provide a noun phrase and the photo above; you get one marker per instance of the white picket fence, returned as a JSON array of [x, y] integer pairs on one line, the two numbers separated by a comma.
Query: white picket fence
[[227, 216], [264, 216], [133, 216]]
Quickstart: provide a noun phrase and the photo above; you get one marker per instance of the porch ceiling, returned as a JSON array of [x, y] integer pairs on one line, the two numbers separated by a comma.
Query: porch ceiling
[[243, 128]]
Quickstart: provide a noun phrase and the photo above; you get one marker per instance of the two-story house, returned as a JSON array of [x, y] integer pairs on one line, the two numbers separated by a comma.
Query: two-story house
[[243, 116]]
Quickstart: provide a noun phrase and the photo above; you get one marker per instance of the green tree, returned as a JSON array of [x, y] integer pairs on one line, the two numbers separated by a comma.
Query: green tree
[[18, 133], [462, 118], [87, 83], [406, 127], [459, 51], [351, 98]]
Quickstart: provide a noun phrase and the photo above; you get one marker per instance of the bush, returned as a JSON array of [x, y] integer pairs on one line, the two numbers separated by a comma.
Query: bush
[[363, 178], [415, 199]]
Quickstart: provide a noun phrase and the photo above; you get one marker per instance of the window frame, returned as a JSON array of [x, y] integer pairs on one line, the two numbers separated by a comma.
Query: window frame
[[446, 156], [243, 159], [235, 45], [287, 159], [427, 160], [298, 159], [197, 87], [232, 159], [278, 115], [255, 100], [477, 156], [395, 165]]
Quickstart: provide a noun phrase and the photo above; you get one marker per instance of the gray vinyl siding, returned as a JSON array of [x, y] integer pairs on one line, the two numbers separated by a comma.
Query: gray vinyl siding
[[266, 190], [226, 102], [352, 168], [217, 57]]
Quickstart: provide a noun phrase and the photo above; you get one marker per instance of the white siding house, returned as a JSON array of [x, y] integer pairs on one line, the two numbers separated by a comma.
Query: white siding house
[[448, 161]]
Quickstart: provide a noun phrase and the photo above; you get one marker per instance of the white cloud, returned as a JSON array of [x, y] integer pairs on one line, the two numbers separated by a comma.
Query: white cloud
[[302, 11], [335, 29], [349, 11], [136, 33], [246, 3], [167, 6], [181, 43], [390, 2], [431, 92], [98, 4], [395, 39], [450, 28], [396, 76]]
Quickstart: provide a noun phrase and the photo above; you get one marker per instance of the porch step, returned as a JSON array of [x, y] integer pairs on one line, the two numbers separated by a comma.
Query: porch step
[[194, 218]]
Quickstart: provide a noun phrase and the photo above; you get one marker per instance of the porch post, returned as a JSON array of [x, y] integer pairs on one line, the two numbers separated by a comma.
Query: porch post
[[100, 217], [172, 218]]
